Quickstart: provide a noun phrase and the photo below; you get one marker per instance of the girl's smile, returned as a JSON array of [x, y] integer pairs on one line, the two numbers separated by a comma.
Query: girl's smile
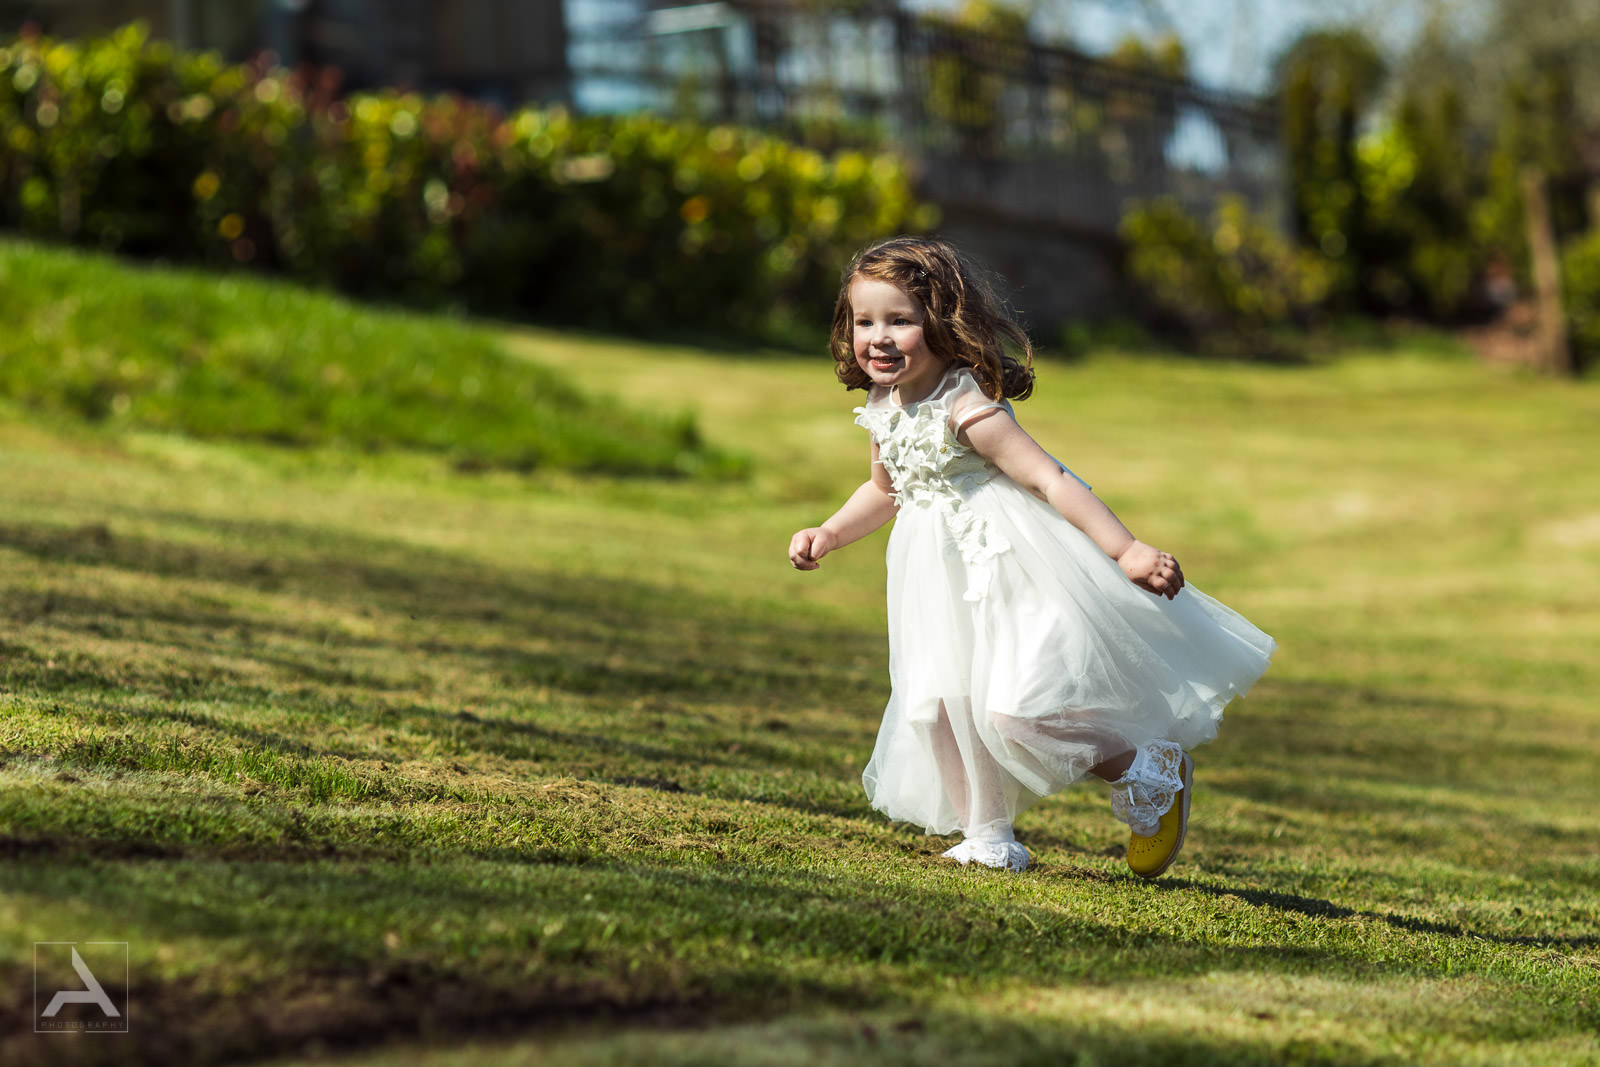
[[887, 339]]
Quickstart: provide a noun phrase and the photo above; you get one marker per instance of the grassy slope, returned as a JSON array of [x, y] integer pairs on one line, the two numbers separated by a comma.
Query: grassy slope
[[353, 751], [236, 356]]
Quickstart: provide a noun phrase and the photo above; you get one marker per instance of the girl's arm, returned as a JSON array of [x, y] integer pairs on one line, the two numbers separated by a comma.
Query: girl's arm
[[868, 508], [998, 438]]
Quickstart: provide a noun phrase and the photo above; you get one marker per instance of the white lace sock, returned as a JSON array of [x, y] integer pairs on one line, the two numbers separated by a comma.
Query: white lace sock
[[1003, 854], [1146, 791]]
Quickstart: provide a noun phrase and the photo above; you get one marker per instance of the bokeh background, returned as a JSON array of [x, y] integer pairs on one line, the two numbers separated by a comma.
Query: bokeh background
[[1227, 174]]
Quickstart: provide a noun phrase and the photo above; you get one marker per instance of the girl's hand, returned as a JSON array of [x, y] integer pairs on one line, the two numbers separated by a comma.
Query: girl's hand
[[1151, 569], [807, 547]]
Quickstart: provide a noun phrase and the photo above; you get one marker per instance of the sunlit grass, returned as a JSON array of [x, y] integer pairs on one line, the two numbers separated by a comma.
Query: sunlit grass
[[355, 751], [237, 357]]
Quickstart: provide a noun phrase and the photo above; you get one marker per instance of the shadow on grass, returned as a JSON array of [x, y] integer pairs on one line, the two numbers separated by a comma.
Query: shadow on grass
[[1394, 734], [1315, 907], [412, 652], [510, 637], [367, 959], [636, 658]]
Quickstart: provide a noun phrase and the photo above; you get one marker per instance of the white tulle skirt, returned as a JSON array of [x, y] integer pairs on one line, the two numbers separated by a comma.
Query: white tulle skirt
[[1014, 674]]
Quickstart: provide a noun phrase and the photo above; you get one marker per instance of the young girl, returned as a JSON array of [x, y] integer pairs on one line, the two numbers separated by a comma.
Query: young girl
[[1032, 639]]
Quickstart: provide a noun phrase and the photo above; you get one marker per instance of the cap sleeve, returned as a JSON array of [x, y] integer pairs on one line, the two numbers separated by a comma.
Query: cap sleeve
[[966, 401]]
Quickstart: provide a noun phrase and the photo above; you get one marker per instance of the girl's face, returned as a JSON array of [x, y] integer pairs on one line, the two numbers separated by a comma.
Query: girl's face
[[888, 339]]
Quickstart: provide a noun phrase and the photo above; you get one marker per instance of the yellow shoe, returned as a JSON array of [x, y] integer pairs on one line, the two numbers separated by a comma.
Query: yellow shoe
[[1150, 856]]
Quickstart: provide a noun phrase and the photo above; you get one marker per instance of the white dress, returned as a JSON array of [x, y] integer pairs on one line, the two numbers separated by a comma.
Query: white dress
[[1020, 655]]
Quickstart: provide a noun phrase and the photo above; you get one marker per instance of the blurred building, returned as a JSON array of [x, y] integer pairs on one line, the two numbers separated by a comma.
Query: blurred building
[[1031, 151]]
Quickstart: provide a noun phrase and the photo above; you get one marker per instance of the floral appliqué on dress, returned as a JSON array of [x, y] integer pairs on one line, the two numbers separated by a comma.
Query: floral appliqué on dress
[[931, 469]]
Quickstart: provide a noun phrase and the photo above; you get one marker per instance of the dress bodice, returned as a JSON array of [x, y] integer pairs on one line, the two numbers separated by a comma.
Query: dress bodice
[[935, 474], [932, 470], [917, 442]]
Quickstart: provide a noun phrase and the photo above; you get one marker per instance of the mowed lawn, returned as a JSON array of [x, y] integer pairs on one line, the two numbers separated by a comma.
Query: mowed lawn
[[370, 761]]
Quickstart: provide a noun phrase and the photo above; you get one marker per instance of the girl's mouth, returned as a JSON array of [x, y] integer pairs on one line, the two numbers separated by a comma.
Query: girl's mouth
[[886, 363]]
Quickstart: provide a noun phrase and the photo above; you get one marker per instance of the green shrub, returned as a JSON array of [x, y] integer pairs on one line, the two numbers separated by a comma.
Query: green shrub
[[1580, 291], [1325, 83], [127, 145], [1392, 205], [1421, 184], [1230, 285]]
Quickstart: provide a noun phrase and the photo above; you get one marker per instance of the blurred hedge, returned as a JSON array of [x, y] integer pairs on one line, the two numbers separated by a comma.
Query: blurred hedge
[[129, 145], [1580, 284], [1231, 284]]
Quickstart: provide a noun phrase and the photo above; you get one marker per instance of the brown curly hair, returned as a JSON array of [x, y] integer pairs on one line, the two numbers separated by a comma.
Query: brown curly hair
[[963, 320]]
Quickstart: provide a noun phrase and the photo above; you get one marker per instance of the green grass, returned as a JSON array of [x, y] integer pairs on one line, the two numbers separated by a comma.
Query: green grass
[[373, 764], [239, 357]]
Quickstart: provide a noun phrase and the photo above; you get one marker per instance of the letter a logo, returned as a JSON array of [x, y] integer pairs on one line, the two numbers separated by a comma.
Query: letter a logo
[[94, 1008], [93, 994]]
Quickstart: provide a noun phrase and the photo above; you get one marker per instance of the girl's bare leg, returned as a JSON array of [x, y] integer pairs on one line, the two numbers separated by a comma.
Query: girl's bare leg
[[973, 783], [952, 771], [1114, 767], [1155, 767]]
